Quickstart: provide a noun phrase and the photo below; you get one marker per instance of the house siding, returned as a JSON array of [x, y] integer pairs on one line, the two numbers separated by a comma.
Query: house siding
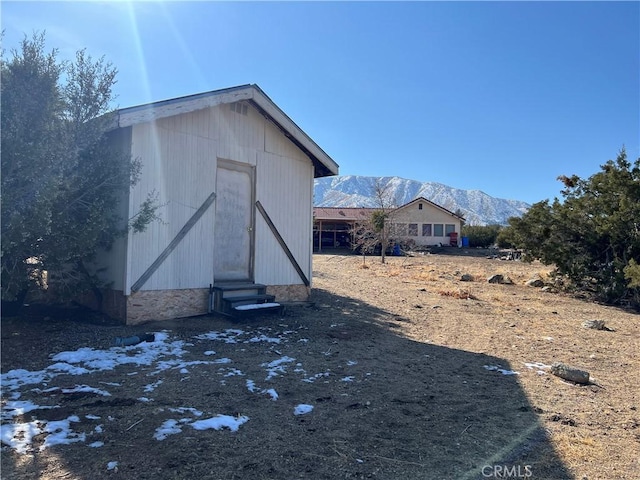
[[430, 214]]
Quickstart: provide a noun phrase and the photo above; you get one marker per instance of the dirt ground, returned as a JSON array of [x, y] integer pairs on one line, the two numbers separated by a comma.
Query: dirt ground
[[406, 366]]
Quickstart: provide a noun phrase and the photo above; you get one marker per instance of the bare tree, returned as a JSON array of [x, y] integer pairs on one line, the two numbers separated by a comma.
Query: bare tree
[[375, 231]]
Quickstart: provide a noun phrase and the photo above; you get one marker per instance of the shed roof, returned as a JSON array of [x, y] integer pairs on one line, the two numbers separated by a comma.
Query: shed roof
[[324, 165]]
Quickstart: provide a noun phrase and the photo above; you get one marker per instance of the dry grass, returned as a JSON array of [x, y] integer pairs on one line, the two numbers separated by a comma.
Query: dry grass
[[461, 294], [600, 437], [422, 403]]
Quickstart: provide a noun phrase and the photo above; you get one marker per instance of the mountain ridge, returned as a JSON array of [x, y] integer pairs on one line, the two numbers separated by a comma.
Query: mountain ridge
[[476, 206]]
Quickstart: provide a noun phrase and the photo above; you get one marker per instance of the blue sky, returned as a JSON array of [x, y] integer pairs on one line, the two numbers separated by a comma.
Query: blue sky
[[497, 96]]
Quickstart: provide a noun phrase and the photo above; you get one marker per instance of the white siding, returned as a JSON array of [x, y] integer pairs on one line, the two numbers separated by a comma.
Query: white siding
[[180, 167], [284, 189], [179, 156]]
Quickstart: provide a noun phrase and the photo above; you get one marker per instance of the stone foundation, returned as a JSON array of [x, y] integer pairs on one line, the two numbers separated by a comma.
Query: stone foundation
[[289, 293], [147, 305]]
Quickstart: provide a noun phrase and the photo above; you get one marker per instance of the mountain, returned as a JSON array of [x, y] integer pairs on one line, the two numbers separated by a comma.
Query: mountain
[[477, 207]]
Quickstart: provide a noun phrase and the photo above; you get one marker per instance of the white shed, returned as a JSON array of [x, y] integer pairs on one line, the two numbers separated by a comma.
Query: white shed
[[234, 176]]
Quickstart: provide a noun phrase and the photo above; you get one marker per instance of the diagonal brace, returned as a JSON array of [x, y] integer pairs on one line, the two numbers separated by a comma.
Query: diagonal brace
[[174, 243], [282, 243]]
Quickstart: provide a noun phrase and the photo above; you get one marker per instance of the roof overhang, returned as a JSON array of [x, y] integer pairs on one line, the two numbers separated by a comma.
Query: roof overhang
[[346, 214], [323, 164]]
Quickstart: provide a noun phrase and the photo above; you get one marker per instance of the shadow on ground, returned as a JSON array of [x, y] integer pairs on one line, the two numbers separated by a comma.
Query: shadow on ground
[[385, 406]]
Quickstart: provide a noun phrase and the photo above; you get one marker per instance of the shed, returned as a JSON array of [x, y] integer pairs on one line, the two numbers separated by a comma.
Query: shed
[[234, 177]]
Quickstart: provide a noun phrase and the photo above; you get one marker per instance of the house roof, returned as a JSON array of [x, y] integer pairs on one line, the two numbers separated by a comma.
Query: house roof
[[346, 214], [422, 199], [252, 94], [351, 214]]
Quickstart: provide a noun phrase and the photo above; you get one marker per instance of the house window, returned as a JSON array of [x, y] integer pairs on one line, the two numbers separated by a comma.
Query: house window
[[413, 229], [419, 206], [449, 228], [438, 230], [426, 229]]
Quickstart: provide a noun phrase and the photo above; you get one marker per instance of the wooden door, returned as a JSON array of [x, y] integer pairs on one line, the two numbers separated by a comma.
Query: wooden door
[[233, 235]]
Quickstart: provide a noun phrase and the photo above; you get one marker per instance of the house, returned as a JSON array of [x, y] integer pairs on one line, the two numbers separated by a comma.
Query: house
[[426, 223], [233, 175], [420, 222]]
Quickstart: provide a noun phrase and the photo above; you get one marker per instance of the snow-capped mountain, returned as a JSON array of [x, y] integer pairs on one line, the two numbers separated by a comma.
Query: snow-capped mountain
[[476, 207]]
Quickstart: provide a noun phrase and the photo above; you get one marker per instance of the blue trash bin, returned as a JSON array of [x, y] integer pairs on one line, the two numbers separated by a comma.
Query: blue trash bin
[[465, 241]]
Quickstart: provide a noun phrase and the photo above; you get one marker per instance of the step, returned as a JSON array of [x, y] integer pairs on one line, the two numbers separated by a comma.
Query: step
[[248, 299], [258, 307], [239, 286]]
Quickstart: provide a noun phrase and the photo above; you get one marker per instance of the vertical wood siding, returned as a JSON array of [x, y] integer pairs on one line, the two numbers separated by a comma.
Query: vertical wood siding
[[179, 156], [179, 167], [286, 192]]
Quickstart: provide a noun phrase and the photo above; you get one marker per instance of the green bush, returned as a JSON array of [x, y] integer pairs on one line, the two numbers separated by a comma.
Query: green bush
[[482, 236], [593, 235], [505, 238], [62, 180]]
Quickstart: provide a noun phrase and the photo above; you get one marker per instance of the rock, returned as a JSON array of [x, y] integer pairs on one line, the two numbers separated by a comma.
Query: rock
[[547, 289], [466, 277], [501, 279], [569, 373], [594, 324], [534, 282], [563, 419]]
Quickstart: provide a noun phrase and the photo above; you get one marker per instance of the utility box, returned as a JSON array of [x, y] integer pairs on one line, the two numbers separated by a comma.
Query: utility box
[[453, 239]]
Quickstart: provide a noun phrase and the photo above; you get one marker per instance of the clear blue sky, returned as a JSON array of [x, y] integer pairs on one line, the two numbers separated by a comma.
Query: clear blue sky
[[501, 97]]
